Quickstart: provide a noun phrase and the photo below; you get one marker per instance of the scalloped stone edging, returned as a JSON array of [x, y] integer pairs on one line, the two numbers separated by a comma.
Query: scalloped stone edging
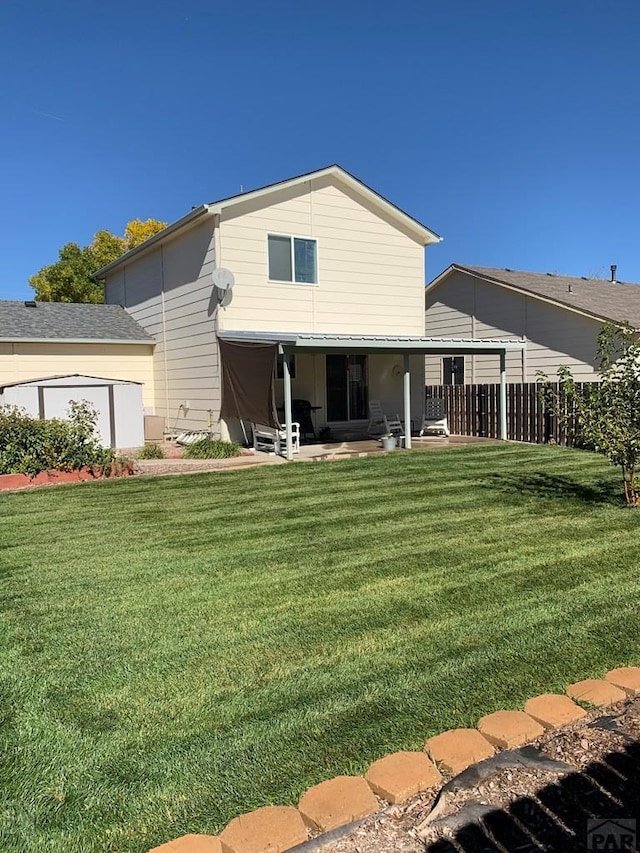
[[509, 729], [401, 775], [597, 692], [272, 828], [397, 777], [336, 802], [457, 749], [627, 678], [191, 844]]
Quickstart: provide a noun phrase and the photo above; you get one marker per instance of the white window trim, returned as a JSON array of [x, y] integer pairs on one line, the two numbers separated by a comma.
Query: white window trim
[[293, 237]]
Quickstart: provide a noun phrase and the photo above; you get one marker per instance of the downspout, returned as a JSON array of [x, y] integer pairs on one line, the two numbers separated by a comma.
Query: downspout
[[525, 332], [164, 337], [217, 260], [473, 330]]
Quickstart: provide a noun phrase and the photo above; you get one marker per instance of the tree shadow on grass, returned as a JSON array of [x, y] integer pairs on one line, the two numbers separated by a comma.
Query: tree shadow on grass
[[556, 487]]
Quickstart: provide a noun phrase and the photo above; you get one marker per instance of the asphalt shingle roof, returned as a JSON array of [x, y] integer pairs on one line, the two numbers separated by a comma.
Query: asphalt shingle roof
[[605, 300], [68, 321]]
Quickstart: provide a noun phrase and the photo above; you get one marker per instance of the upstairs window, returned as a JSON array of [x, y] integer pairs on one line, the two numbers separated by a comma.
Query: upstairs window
[[292, 259], [453, 370]]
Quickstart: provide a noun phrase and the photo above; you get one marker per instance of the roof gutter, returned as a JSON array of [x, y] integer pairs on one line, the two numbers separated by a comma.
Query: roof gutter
[[184, 222], [318, 342], [137, 342]]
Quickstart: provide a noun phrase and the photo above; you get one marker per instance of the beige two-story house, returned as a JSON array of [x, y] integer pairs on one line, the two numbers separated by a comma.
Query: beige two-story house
[[321, 267]]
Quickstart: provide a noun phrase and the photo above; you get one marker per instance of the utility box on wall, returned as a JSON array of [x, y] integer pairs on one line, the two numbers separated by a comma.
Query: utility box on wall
[[118, 403], [153, 428]]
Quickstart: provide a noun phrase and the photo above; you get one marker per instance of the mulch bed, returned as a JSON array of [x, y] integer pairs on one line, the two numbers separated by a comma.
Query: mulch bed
[[13, 482], [507, 806]]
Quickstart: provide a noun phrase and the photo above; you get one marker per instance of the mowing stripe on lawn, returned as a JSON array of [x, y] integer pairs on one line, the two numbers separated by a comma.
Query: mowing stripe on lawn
[[176, 651]]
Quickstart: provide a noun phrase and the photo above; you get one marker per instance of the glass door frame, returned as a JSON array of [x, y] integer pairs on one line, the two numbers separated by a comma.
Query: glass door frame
[[354, 409]]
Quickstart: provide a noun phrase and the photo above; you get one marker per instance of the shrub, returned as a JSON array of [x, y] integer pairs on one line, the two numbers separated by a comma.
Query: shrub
[[30, 445], [211, 448], [151, 451], [608, 414]]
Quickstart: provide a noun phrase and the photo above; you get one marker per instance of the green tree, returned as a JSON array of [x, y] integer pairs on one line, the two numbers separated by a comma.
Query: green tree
[[69, 279], [105, 248], [608, 414]]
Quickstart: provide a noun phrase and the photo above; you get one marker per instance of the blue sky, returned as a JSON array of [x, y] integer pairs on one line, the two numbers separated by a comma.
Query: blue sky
[[511, 127]]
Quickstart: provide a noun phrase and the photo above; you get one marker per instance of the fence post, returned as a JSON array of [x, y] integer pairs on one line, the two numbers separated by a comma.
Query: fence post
[[482, 411], [503, 395]]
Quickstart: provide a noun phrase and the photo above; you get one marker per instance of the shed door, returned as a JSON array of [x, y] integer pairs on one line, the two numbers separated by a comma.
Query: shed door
[[56, 405]]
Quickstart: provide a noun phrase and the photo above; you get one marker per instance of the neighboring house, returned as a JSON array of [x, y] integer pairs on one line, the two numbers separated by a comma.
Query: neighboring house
[[558, 317], [325, 268], [54, 338]]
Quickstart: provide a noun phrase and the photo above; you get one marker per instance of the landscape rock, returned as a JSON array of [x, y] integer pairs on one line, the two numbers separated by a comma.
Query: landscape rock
[[399, 776], [456, 749], [337, 802]]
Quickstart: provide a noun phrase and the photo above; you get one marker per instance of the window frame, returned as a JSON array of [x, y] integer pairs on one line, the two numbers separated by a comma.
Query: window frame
[[457, 361], [292, 238], [280, 365]]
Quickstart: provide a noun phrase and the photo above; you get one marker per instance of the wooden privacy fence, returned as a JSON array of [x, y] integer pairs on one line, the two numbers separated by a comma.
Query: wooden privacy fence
[[474, 410]]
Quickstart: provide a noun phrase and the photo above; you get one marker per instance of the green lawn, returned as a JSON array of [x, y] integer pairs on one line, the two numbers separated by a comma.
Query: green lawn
[[176, 651]]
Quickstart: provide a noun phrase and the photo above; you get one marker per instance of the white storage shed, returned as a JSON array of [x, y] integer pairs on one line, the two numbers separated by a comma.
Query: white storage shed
[[118, 403]]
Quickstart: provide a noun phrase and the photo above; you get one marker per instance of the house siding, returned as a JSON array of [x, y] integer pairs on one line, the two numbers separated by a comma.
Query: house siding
[[370, 274], [467, 306], [21, 362], [168, 290]]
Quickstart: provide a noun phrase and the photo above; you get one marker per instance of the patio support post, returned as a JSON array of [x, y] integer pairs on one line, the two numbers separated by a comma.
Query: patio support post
[[286, 375], [407, 403], [503, 395]]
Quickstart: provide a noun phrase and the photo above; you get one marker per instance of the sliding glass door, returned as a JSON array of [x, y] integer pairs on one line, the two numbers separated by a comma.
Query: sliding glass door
[[347, 387]]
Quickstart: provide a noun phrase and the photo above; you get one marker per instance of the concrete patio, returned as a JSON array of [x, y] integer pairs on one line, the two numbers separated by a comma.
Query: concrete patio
[[320, 452], [366, 447]]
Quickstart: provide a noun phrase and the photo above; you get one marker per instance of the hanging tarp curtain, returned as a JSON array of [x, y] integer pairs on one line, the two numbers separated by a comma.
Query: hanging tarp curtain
[[247, 382]]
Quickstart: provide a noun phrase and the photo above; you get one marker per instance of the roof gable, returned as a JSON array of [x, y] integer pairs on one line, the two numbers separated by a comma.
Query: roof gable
[[69, 321], [602, 300], [419, 232], [80, 379]]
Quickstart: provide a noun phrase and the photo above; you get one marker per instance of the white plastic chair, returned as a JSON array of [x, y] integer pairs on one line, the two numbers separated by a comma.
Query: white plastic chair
[[273, 440], [376, 419], [434, 421], [394, 427], [381, 424]]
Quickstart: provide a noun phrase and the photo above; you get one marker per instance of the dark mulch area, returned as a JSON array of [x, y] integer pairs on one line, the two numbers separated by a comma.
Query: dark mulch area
[[577, 789]]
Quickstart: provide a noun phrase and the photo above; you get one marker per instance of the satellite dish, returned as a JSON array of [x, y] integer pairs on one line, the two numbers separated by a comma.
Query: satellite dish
[[223, 279]]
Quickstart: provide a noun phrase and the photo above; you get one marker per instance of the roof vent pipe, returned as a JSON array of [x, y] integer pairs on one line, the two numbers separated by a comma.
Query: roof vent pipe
[[614, 268]]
